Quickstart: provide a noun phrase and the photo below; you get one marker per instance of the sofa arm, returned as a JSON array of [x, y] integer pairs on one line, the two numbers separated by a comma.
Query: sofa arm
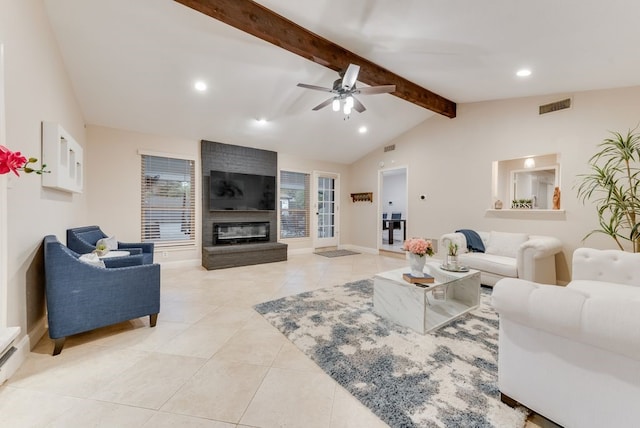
[[536, 261], [608, 323], [456, 238]]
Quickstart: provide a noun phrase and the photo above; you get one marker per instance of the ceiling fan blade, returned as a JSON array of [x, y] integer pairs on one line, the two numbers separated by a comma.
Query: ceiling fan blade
[[314, 87], [350, 76], [323, 104], [357, 105], [382, 89]]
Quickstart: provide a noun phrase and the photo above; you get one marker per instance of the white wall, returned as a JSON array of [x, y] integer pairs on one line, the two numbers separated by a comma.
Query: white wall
[[114, 166], [450, 160], [37, 89]]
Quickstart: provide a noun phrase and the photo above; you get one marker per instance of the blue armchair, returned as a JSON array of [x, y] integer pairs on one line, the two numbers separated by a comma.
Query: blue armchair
[[83, 240], [82, 297]]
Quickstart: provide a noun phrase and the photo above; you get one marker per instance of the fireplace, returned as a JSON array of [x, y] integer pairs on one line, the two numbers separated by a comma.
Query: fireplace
[[240, 233]]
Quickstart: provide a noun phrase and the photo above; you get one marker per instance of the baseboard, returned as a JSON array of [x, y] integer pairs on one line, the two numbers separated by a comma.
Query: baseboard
[[298, 251], [37, 332], [359, 249], [181, 263], [16, 359]]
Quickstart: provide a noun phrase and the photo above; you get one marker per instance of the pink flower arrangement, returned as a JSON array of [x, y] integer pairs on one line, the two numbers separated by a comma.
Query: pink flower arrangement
[[14, 162], [418, 246]]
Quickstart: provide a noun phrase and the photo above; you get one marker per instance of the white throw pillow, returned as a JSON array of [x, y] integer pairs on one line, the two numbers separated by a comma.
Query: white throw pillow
[[92, 259], [505, 243], [111, 242]]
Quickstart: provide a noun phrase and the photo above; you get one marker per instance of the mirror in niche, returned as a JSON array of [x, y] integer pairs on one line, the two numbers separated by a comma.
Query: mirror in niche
[[533, 188], [527, 182]]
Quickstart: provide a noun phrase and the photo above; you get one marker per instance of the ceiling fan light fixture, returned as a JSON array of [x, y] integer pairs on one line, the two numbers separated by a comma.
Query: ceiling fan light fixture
[[347, 109], [335, 105], [349, 101]]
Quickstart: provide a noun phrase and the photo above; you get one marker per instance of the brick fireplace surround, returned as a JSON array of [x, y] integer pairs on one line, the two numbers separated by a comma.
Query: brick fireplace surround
[[238, 246]]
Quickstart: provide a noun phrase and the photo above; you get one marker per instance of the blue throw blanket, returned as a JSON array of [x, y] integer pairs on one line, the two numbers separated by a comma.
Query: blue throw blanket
[[474, 242]]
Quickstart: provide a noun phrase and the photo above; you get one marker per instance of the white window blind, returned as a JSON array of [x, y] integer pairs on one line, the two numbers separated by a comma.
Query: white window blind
[[168, 201], [294, 204]]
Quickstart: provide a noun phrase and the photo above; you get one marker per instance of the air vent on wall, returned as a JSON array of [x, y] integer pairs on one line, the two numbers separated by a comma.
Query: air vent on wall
[[390, 148], [555, 106]]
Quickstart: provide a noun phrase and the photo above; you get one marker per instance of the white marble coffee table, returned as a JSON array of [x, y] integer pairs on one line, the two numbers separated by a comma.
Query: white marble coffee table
[[424, 309]]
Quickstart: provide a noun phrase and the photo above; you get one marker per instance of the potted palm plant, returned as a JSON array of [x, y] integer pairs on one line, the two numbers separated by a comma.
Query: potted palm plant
[[613, 185]]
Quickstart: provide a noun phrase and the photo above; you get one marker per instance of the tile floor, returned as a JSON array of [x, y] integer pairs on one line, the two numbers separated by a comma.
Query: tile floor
[[211, 361]]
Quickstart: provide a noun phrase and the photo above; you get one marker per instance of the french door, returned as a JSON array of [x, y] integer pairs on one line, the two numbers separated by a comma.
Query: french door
[[326, 205]]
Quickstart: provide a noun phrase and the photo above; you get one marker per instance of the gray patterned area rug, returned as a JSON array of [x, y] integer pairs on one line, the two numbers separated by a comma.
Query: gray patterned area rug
[[336, 253], [448, 378]]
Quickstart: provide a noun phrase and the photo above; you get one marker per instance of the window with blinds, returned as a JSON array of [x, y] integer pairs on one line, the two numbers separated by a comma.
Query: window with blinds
[[168, 201], [294, 205]]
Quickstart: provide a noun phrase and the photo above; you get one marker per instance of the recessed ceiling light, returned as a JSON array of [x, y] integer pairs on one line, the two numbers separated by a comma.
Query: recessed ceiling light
[[362, 129], [523, 73], [200, 86], [261, 121]]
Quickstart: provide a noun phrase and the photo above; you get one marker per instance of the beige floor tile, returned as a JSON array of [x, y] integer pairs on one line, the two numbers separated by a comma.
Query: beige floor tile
[[150, 382], [291, 398], [89, 413], [290, 357], [253, 346], [30, 408], [349, 412], [221, 390], [199, 341], [234, 317], [170, 420], [183, 312], [142, 338], [77, 372]]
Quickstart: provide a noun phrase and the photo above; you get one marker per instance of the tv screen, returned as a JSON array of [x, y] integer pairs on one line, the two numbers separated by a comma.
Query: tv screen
[[243, 192]]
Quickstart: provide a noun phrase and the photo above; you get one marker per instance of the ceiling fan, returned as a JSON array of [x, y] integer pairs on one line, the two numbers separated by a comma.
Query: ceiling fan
[[344, 90]]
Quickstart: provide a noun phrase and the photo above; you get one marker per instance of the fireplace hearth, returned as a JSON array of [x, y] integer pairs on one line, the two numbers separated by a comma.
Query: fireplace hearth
[[234, 233]]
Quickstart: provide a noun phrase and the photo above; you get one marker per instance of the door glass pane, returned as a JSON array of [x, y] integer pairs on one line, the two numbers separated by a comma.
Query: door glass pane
[[326, 207]]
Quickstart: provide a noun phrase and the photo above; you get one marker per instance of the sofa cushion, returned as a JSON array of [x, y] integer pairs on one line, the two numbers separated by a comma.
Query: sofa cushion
[[491, 263], [505, 243]]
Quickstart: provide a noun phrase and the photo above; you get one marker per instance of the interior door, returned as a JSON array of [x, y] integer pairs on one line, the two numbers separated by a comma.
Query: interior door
[[326, 189]]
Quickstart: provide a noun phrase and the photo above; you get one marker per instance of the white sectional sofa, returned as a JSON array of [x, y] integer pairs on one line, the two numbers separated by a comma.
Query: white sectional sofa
[[509, 255], [572, 354]]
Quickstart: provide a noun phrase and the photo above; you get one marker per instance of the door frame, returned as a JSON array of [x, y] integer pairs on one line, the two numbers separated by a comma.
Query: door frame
[[380, 210], [323, 242]]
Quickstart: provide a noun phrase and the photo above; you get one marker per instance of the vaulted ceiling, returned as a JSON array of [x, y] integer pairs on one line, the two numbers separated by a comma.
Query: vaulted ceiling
[[133, 64]]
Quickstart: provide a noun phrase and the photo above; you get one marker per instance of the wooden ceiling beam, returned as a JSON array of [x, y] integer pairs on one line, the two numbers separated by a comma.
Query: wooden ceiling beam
[[267, 25]]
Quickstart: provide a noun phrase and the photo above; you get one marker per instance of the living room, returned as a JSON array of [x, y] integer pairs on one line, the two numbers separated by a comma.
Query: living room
[[448, 160]]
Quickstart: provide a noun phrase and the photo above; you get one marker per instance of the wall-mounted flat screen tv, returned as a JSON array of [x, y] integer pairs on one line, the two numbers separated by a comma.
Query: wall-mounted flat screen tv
[[242, 192]]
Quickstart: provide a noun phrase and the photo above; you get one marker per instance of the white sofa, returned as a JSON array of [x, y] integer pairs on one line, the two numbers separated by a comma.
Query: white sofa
[[509, 255], [572, 354]]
